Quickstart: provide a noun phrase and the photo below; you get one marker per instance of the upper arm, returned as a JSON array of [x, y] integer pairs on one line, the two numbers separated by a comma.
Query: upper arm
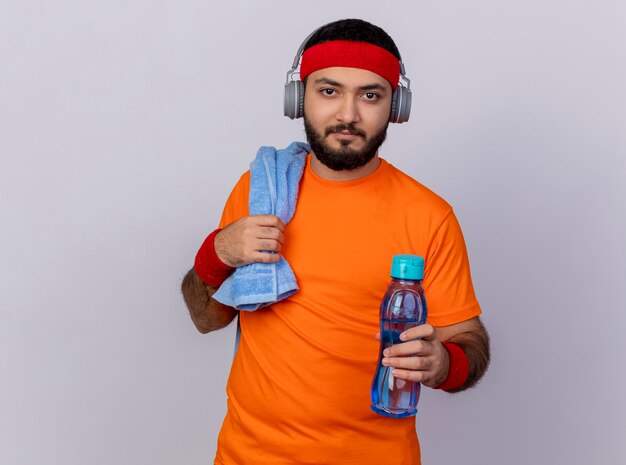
[[447, 279], [236, 206]]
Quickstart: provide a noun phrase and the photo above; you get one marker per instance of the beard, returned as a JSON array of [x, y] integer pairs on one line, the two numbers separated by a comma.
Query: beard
[[345, 157]]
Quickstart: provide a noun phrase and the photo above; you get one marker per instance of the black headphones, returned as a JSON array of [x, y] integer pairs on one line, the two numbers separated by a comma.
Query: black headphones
[[294, 92]]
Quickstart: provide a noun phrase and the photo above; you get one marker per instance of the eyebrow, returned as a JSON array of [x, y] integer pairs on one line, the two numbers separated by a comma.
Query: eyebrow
[[366, 87]]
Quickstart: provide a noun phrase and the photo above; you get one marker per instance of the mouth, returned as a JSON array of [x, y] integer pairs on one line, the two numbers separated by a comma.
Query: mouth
[[345, 135]]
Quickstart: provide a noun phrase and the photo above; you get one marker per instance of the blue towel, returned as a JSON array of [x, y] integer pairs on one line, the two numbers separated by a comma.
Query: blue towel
[[274, 181]]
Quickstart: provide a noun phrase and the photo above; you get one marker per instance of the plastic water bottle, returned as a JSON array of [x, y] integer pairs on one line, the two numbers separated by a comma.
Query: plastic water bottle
[[403, 307]]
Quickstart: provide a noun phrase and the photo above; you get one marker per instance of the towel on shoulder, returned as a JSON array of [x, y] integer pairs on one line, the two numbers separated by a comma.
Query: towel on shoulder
[[274, 181]]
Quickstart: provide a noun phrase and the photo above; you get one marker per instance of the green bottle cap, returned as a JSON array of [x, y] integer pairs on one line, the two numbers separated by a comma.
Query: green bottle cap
[[407, 267]]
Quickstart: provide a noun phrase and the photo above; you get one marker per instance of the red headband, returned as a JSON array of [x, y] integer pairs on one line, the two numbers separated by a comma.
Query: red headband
[[351, 54]]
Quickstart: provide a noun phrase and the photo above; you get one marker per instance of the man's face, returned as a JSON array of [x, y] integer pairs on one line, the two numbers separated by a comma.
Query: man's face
[[346, 114]]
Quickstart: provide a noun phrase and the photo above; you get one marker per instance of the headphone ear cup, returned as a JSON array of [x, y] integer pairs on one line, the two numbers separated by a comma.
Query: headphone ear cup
[[300, 96], [394, 106], [400, 105], [294, 99], [289, 106]]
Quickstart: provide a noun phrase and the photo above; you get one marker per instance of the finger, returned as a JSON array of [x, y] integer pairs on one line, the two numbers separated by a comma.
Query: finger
[[409, 375], [378, 336], [271, 245], [269, 220], [425, 331], [418, 347], [269, 232], [409, 363], [264, 257]]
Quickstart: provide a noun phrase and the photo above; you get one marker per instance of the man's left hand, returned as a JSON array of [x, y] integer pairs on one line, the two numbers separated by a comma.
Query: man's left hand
[[424, 360]]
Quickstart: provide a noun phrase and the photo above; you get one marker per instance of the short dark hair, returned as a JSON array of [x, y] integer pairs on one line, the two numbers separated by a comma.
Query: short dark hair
[[355, 30]]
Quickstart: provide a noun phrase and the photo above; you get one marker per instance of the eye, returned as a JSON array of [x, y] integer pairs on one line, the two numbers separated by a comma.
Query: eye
[[371, 96], [329, 92]]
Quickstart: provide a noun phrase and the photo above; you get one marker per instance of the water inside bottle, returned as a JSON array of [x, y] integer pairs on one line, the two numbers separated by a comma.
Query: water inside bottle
[[391, 395]]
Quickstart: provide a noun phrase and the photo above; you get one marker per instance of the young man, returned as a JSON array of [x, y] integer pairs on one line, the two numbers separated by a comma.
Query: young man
[[299, 386]]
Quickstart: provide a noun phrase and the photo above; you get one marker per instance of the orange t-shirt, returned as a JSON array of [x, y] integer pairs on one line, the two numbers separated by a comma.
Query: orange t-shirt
[[299, 386]]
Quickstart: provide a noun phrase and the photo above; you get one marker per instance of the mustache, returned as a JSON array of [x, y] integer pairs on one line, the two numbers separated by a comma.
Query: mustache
[[351, 128]]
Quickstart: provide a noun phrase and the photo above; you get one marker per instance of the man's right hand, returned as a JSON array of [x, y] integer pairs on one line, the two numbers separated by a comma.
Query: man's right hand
[[245, 241]]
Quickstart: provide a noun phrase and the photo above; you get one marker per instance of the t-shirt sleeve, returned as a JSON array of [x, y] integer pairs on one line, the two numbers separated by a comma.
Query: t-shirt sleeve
[[447, 281], [237, 204]]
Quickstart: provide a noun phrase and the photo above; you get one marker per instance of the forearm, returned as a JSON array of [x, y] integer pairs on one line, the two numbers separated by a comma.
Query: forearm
[[206, 313], [475, 344]]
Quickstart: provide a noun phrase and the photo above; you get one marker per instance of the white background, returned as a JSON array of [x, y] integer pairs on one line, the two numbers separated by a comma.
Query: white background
[[124, 125]]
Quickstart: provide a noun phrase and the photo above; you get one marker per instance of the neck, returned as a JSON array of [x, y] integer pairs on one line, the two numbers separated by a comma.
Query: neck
[[325, 172]]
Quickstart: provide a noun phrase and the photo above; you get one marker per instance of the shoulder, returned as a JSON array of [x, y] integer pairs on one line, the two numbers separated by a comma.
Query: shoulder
[[244, 179], [242, 187]]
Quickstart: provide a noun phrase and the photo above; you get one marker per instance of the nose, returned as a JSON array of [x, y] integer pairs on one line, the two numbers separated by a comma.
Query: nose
[[348, 111]]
